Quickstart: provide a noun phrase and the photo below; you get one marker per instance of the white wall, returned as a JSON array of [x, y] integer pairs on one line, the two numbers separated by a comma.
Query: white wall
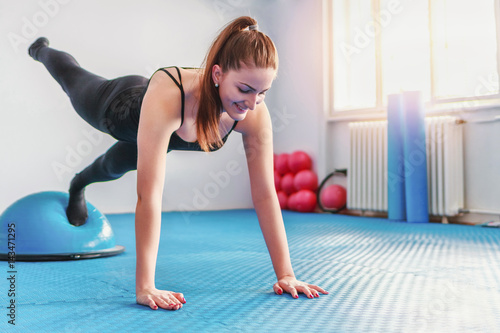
[[296, 100]]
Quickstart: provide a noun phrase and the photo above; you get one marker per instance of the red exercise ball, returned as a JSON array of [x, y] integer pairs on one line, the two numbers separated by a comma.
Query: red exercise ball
[[286, 183], [333, 197], [299, 160], [306, 201], [283, 199], [277, 180], [292, 201], [282, 163], [306, 180]]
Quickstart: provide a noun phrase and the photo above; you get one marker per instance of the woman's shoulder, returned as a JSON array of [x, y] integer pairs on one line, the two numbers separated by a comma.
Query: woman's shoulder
[[179, 74], [183, 78], [160, 83], [162, 100], [165, 75]]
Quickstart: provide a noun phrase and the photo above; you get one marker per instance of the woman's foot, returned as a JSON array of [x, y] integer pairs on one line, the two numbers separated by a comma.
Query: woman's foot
[[35, 47], [77, 206]]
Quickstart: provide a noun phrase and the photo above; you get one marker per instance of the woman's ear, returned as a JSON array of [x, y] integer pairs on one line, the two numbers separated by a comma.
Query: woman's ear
[[216, 73]]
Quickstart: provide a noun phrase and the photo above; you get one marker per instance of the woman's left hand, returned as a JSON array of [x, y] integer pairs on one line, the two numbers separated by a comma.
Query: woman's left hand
[[293, 286]]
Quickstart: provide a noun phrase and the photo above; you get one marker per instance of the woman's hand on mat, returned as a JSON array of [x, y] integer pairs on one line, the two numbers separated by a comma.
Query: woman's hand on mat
[[155, 298], [293, 286]]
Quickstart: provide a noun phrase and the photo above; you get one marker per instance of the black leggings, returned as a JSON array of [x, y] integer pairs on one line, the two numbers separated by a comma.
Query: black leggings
[[91, 95]]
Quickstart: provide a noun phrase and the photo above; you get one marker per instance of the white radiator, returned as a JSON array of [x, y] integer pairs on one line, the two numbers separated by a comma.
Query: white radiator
[[367, 175]]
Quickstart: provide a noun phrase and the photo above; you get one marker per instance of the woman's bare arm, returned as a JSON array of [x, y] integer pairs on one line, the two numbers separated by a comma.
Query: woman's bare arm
[[258, 141], [160, 117]]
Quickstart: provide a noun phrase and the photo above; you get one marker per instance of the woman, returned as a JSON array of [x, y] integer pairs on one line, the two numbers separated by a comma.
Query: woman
[[187, 109]]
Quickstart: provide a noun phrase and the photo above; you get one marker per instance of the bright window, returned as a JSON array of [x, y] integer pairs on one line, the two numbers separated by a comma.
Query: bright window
[[354, 60], [464, 48], [446, 49]]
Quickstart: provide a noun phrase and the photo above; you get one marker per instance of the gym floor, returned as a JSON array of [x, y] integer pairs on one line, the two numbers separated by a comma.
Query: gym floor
[[382, 277]]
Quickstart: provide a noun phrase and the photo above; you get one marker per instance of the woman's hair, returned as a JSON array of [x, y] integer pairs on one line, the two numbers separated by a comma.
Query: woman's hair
[[235, 45]]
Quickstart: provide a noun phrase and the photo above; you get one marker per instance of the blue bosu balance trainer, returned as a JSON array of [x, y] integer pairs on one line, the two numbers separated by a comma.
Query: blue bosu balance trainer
[[35, 228]]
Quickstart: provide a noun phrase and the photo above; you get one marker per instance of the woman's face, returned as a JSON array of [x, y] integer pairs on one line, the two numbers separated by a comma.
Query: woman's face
[[241, 90]]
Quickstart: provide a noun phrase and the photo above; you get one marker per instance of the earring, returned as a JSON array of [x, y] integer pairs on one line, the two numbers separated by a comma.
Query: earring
[[216, 85]]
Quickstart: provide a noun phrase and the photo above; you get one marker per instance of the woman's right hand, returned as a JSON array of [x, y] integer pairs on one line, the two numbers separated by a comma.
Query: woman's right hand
[[164, 299]]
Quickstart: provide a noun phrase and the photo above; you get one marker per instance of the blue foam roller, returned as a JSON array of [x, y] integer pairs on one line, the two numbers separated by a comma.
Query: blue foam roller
[[415, 158], [42, 231], [395, 159]]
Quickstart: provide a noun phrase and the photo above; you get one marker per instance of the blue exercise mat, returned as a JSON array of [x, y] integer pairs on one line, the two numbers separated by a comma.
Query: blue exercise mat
[[382, 277]]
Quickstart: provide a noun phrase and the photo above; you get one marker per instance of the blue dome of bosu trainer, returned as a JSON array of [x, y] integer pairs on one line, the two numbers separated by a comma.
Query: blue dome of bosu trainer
[[35, 228]]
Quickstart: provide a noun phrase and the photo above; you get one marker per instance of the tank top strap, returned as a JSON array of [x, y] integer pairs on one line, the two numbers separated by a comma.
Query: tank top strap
[[234, 125], [179, 85]]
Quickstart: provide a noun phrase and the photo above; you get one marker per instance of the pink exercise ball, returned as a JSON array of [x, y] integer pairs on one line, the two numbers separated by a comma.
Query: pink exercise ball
[[299, 160], [282, 164], [306, 180], [333, 197]]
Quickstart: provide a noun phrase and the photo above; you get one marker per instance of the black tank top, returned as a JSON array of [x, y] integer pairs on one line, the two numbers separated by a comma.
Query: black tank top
[[176, 143], [122, 115]]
